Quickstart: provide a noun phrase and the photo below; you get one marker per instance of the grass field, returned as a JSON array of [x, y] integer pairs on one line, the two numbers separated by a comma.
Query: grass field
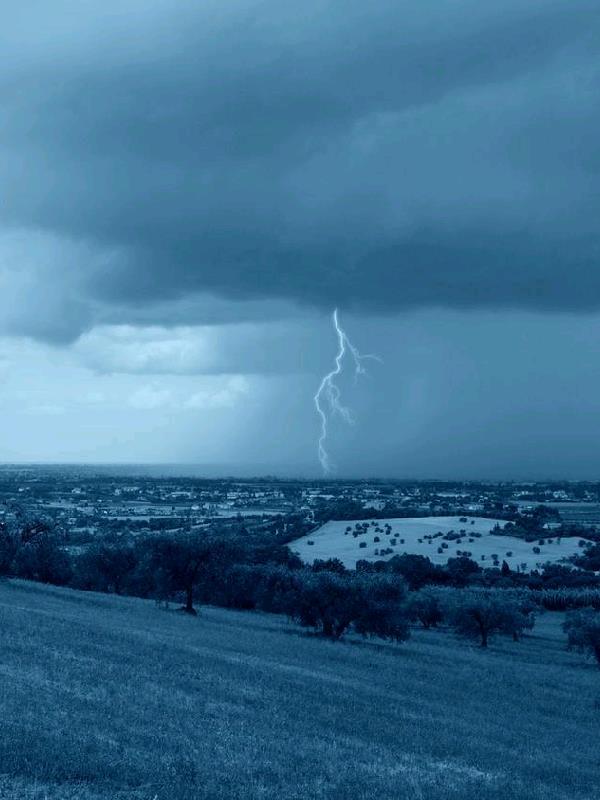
[[331, 541], [106, 697]]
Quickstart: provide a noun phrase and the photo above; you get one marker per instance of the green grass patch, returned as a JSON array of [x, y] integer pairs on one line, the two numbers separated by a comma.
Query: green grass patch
[[106, 697]]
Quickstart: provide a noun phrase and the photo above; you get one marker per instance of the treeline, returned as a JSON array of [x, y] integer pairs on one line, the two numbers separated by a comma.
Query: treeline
[[589, 559], [190, 570], [34, 550], [461, 571], [39, 551], [346, 508]]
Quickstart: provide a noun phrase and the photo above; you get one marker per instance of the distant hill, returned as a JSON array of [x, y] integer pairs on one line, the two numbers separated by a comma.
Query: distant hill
[[438, 538]]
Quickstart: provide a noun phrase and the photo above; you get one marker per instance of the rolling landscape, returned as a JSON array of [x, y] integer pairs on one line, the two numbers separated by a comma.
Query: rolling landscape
[[299, 417], [323, 670], [438, 538], [110, 697]]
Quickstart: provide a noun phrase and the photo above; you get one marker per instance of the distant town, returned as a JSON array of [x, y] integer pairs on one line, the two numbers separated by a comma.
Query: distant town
[[89, 503]]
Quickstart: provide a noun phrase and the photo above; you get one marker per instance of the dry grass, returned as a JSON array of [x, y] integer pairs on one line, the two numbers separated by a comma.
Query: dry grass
[[105, 697], [331, 541]]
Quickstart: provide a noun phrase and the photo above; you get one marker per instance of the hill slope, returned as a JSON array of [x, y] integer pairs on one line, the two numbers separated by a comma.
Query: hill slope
[[106, 697], [421, 536]]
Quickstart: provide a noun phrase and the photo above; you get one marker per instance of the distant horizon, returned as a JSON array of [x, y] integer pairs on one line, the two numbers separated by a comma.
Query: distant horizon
[[243, 471]]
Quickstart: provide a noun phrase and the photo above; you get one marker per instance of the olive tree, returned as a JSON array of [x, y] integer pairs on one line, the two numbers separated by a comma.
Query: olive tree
[[479, 614], [583, 632]]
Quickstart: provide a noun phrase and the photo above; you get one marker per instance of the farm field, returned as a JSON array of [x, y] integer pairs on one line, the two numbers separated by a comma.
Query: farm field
[[107, 698], [332, 541]]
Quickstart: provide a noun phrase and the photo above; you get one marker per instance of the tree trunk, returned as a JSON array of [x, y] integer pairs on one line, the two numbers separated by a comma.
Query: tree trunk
[[189, 601], [339, 630], [484, 636]]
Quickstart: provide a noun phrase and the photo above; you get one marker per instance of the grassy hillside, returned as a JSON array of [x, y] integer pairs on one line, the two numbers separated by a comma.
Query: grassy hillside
[[104, 697]]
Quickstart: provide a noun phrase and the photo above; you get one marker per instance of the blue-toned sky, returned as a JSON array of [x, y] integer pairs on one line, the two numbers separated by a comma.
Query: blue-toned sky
[[189, 189]]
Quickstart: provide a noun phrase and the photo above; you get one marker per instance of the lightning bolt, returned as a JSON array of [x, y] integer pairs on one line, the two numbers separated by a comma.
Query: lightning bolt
[[328, 396]]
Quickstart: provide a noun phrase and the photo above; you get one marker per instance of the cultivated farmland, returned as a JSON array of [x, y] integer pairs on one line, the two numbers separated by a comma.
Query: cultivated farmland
[[439, 538]]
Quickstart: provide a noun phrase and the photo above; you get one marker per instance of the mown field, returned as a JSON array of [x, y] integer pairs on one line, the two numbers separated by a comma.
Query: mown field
[[331, 541], [106, 697]]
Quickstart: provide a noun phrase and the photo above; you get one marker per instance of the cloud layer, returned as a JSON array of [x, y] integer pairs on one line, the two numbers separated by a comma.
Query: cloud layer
[[179, 164]]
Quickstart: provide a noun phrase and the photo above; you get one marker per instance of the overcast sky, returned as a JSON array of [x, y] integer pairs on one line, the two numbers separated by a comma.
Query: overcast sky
[[188, 190]]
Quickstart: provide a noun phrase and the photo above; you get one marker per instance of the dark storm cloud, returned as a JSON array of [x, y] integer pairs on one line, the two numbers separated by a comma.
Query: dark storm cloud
[[374, 156]]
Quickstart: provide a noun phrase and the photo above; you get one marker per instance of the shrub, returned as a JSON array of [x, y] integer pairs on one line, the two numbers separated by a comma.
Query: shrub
[[460, 569], [331, 604], [383, 609], [239, 587], [590, 559], [479, 614], [583, 632], [9, 543], [42, 558], [425, 607], [362, 544], [329, 565], [418, 570], [326, 602], [275, 589], [188, 566], [104, 567]]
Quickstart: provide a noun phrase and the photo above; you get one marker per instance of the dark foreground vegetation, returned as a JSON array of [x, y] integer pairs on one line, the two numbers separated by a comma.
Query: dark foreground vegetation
[[111, 698], [290, 683], [380, 600]]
